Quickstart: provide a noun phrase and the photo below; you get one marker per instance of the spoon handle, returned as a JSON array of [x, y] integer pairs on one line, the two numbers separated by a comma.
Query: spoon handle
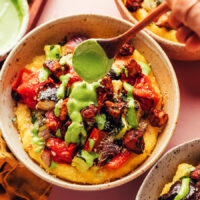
[[112, 45]]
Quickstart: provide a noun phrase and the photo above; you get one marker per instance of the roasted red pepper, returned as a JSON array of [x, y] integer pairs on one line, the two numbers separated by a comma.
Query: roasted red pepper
[[60, 152], [95, 137], [52, 121], [144, 92], [27, 87], [118, 160]]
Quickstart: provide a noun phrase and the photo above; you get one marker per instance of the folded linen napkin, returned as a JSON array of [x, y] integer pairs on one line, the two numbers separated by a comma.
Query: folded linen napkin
[[17, 182]]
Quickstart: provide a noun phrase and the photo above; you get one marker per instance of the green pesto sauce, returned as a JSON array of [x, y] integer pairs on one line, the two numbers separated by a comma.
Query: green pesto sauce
[[90, 61], [82, 95], [37, 141], [131, 114], [62, 88], [57, 108], [11, 15]]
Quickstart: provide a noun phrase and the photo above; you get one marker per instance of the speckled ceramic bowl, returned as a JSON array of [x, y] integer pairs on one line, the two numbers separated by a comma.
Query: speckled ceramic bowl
[[22, 31], [97, 27], [173, 49], [166, 167]]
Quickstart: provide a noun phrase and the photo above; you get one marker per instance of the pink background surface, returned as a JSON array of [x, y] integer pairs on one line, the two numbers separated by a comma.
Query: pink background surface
[[188, 74]]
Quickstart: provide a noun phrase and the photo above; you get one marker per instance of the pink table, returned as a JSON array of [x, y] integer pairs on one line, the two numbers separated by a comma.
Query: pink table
[[189, 79]]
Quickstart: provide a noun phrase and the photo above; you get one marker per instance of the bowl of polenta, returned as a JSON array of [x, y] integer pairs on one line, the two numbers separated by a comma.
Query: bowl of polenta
[[80, 135], [175, 176], [160, 29]]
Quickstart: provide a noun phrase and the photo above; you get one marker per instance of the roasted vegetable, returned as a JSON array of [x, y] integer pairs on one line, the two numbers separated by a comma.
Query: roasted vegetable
[[134, 141], [60, 152], [118, 160], [133, 5], [158, 118], [126, 50], [26, 87], [94, 139]]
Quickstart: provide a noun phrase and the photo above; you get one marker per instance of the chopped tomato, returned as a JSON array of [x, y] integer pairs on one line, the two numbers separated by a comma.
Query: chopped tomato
[[144, 92], [61, 153], [27, 87], [95, 137], [52, 121], [118, 160], [73, 77]]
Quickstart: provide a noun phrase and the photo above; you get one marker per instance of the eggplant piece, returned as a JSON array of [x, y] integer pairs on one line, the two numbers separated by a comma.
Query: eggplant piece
[[115, 109], [88, 114], [134, 141], [55, 68], [175, 189], [158, 118]]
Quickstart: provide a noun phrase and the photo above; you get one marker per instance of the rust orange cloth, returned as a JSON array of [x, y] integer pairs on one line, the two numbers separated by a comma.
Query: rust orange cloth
[[17, 182]]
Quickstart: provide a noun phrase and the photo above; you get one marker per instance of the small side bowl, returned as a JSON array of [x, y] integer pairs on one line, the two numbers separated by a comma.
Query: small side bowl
[[165, 169], [95, 26], [22, 31], [174, 50]]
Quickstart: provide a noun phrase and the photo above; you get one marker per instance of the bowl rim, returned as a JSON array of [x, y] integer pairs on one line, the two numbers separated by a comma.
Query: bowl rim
[[127, 178], [157, 37], [22, 30], [169, 152]]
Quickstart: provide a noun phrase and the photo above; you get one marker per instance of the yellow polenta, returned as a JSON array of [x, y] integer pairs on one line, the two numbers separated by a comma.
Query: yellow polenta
[[94, 175]]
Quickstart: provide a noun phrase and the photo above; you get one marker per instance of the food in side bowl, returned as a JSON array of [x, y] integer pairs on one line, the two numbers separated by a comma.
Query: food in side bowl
[[185, 184], [88, 133], [139, 9]]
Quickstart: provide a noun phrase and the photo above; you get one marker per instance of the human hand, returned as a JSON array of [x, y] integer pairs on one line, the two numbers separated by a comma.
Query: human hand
[[185, 17]]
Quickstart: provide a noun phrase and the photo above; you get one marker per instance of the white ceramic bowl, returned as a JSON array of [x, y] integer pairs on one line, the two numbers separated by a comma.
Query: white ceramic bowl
[[174, 50], [95, 26], [165, 169], [22, 31]]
